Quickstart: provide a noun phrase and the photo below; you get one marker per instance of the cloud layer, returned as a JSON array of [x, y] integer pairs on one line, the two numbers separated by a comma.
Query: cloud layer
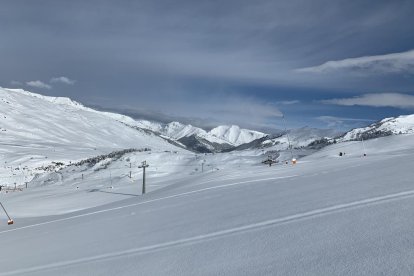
[[64, 80], [390, 63], [38, 84], [376, 100], [174, 57], [43, 85], [339, 122]]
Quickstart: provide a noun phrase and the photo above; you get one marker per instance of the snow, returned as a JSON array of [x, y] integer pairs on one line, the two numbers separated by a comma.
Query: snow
[[232, 135], [298, 138], [337, 215], [235, 135], [400, 125], [177, 130], [205, 214], [37, 130]]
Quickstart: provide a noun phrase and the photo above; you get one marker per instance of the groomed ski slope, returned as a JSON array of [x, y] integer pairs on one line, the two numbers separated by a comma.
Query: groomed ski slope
[[37, 130], [327, 215]]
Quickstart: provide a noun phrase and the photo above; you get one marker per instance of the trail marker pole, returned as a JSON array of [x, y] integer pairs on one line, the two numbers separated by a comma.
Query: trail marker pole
[[143, 166], [10, 221], [202, 165]]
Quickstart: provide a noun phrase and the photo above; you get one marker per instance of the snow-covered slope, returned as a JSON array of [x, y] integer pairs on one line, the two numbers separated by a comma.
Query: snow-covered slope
[[214, 214], [389, 126], [326, 215], [178, 130], [298, 138], [31, 118], [232, 135], [235, 135], [37, 130], [62, 120]]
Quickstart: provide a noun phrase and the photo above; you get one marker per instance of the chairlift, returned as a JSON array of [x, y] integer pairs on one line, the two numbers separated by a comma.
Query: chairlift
[[269, 161]]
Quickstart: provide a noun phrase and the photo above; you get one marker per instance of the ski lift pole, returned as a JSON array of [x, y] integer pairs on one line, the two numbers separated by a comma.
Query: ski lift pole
[[287, 135], [10, 221], [110, 177], [363, 146], [144, 165]]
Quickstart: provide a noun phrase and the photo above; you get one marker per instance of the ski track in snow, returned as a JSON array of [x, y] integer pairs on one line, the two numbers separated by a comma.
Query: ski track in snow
[[146, 202], [283, 169], [213, 235], [184, 194]]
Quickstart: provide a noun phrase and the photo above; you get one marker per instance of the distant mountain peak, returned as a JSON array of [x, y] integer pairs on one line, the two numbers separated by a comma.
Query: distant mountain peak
[[403, 124], [235, 135]]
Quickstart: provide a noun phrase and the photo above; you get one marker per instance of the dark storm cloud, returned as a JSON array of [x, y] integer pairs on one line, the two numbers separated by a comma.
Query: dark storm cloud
[[175, 56]]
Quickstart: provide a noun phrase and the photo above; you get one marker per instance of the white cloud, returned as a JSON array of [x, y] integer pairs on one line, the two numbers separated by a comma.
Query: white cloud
[[62, 79], [245, 108], [38, 84], [246, 112], [289, 102], [333, 121], [389, 63], [377, 100], [16, 83]]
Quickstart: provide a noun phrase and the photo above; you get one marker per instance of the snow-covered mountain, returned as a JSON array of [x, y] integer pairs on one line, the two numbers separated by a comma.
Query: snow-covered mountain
[[314, 138], [32, 117], [295, 210], [298, 138], [62, 129], [388, 126], [235, 135], [217, 139]]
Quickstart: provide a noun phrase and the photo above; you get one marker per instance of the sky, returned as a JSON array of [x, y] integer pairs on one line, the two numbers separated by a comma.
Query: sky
[[326, 64]]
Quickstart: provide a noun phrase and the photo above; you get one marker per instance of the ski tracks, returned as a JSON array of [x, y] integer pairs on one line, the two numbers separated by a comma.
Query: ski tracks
[[222, 233]]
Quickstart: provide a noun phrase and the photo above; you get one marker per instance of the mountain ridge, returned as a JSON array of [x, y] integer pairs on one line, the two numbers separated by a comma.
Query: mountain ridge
[[218, 139]]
